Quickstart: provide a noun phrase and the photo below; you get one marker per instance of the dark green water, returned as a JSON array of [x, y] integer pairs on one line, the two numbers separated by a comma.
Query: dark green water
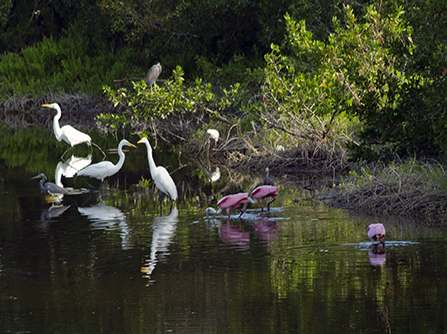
[[115, 264]]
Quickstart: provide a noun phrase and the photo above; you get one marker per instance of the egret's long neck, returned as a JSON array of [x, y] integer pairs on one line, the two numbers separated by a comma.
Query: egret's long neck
[[120, 162], [152, 165], [56, 127]]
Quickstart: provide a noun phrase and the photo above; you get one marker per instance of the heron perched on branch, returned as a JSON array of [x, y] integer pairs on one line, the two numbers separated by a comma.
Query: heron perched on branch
[[153, 74]]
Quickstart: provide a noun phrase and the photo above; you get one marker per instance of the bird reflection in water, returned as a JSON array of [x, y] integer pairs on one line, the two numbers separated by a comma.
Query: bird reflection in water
[[266, 229], [377, 254], [49, 214], [70, 167], [234, 236], [105, 217], [163, 231]]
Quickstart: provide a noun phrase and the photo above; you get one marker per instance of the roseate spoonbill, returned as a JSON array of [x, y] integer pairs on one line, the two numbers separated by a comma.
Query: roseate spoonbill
[[104, 169], [153, 74], [263, 192], [49, 187], [68, 133], [233, 201], [268, 181], [376, 232], [163, 181], [210, 134]]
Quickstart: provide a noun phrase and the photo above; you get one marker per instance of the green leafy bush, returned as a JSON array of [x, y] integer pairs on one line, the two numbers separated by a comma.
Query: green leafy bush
[[71, 64]]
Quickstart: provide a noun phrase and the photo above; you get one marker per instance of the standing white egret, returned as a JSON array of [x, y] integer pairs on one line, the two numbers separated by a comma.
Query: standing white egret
[[68, 133], [153, 74], [163, 181], [104, 169]]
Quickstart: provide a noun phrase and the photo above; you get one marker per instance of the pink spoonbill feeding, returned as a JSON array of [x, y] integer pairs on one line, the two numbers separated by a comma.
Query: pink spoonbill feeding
[[234, 201], [264, 192], [376, 232]]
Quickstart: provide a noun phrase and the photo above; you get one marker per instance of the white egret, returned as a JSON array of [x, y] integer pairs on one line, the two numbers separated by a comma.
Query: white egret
[[163, 181], [104, 169], [68, 133], [153, 74]]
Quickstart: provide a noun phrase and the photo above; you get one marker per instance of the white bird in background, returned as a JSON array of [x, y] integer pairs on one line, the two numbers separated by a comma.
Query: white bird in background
[[210, 134], [163, 181], [68, 133], [104, 169], [153, 74]]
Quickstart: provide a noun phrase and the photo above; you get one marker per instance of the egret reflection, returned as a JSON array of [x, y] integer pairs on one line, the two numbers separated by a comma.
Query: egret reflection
[[70, 167], [163, 231], [105, 217]]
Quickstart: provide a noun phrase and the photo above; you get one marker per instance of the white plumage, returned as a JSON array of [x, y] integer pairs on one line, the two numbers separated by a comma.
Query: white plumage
[[163, 181], [104, 169], [67, 133]]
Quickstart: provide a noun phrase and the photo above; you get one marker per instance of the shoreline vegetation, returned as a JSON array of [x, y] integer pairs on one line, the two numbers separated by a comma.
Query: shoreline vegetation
[[408, 188], [350, 93]]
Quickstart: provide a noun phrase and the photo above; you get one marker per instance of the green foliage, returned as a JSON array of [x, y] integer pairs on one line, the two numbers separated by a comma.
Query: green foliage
[[70, 65], [173, 97]]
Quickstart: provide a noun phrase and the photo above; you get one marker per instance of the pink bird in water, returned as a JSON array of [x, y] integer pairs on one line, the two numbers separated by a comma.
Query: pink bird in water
[[376, 232], [263, 192], [234, 201]]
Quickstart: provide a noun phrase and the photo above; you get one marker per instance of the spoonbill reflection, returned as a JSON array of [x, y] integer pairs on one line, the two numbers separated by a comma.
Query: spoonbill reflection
[[163, 181], [376, 232], [377, 255], [105, 217], [104, 169], [234, 201], [163, 231]]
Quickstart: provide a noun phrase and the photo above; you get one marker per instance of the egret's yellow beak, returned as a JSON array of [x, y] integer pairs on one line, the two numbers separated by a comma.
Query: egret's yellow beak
[[46, 105], [132, 145], [140, 141]]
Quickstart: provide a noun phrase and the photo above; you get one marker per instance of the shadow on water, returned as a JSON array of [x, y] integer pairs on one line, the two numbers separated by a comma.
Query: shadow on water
[[114, 263]]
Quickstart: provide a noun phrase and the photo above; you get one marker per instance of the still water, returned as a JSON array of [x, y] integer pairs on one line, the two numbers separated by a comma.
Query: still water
[[113, 263]]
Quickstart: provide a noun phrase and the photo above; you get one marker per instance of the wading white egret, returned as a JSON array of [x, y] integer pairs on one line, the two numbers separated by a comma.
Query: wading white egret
[[152, 75], [104, 169], [163, 181], [68, 133]]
